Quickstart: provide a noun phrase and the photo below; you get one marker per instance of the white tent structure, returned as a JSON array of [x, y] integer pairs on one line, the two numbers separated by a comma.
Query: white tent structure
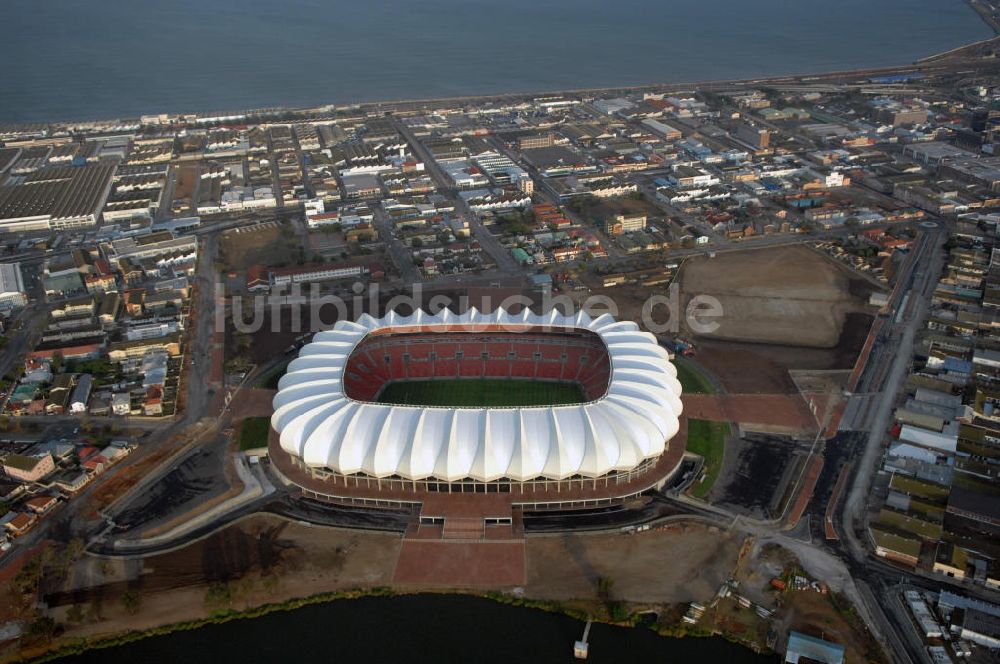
[[631, 423]]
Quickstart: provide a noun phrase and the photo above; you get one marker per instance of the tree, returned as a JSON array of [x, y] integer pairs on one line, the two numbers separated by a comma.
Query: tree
[[270, 583], [245, 588], [72, 552], [75, 614], [94, 611], [218, 595], [604, 586], [617, 611], [132, 601], [242, 341], [57, 361], [42, 627]]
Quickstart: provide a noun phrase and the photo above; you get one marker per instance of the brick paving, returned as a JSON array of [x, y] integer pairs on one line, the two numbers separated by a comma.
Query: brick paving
[[454, 564], [779, 411]]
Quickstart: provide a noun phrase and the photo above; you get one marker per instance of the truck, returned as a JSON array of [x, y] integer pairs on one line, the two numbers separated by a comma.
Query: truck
[[680, 346]]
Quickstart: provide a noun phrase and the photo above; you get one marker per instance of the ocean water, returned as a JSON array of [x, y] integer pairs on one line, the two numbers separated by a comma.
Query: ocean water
[[75, 59]]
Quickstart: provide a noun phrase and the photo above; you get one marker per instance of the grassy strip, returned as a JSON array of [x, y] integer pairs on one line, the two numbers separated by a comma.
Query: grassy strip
[[254, 432], [709, 440], [692, 380], [269, 379]]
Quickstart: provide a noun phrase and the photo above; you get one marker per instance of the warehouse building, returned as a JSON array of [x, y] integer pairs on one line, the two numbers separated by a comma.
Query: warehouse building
[[161, 246], [315, 273], [805, 648], [56, 198], [12, 293]]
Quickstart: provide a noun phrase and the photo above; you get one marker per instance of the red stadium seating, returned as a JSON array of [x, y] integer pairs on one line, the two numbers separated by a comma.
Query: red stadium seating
[[549, 355]]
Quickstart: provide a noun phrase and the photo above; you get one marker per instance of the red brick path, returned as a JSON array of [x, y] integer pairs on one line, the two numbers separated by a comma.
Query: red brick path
[[788, 411], [442, 563]]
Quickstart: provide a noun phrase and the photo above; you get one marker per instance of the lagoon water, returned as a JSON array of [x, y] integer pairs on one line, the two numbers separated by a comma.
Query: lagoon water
[[79, 59], [437, 629]]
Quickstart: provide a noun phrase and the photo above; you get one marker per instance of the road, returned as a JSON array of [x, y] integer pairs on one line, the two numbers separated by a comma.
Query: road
[[501, 257], [399, 252], [925, 269], [872, 582], [70, 520], [695, 222], [899, 361]]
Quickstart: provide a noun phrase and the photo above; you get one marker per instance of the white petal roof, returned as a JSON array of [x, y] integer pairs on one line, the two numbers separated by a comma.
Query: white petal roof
[[320, 424]]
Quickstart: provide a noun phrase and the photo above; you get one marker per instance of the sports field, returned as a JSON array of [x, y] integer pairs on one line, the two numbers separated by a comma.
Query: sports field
[[475, 392]]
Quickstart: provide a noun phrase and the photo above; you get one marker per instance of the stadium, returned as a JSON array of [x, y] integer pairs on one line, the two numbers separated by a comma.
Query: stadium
[[478, 413]]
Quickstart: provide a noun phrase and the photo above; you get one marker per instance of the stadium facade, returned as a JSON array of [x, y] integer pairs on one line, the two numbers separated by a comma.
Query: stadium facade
[[333, 437]]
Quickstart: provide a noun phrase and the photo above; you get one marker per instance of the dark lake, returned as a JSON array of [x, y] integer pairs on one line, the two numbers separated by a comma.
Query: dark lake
[[417, 628]]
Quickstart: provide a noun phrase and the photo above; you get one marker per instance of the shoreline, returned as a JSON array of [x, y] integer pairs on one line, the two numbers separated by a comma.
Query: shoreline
[[917, 66], [933, 60]]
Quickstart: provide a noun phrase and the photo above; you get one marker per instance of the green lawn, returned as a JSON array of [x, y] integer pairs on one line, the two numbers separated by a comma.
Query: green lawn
[[709, 440], [474, 392], [692, 380], [254, 432], [269, 380]]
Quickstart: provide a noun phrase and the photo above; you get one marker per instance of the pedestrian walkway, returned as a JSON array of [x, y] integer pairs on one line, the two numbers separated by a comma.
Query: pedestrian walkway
[[771, 413]]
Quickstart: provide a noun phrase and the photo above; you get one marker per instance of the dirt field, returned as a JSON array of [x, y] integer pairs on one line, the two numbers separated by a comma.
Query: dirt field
[[267, 244], [267, 559], [276, 334], [788, 295], [263, 559], [204, 478], [680, 564], [764, 368], [124, 480], [816, 614], [808, 611], [184, 188], [595, 210], [252, 402], [330, 246], [751, 363]]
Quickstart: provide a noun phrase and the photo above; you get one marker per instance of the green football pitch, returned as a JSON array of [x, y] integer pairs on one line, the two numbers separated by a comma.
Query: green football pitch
[[475, 392]]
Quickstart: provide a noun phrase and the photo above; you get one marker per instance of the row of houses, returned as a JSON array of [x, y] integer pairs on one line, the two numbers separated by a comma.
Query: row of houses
[[942, 510], [37, 477]]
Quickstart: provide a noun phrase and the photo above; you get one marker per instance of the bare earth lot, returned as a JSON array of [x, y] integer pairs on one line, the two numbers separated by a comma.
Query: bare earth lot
[[267, 559], [680, 564], [785, 309], [263, 558], [788, 295], [266, 244], [748, 368]]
